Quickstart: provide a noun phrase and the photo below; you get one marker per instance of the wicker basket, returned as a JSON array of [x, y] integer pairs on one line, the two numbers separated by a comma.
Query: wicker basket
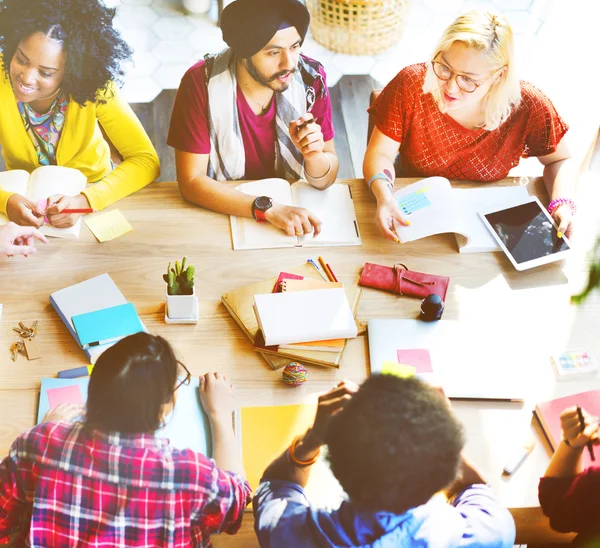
[[358, 27]]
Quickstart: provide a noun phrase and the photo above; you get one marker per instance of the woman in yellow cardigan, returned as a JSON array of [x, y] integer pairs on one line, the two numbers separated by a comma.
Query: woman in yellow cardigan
[[60, 60]]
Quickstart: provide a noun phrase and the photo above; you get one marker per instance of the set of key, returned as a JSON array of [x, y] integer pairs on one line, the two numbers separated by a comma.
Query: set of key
[[25, 343]]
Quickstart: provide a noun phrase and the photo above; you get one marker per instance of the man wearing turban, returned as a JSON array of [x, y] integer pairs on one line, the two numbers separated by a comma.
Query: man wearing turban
[[258, 109]]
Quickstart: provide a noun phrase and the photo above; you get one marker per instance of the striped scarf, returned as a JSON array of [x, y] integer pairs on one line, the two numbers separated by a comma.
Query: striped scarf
[[227, 160]]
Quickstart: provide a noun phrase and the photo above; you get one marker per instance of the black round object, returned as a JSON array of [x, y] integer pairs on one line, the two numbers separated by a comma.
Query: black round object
[[432, 308]]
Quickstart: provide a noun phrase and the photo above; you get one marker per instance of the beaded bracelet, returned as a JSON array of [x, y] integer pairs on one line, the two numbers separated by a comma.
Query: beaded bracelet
[[555, 204], [295, 460]]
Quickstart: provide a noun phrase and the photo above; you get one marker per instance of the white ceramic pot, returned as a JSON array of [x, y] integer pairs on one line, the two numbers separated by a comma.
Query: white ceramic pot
[[182, 307], [196, 6]]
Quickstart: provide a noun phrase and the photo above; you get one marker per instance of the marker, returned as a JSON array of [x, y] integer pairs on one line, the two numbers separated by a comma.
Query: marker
[[589, 444], [327, 271], [332, 274], [84, 210], [76, 372], [519, 457]]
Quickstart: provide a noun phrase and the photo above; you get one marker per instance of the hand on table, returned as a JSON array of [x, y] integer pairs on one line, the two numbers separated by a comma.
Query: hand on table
[[19, 240], [309, 138], [294, 221], [330, 404], [58, 202], [571, 428], [23, 211], [217, 397], [387, 212], [563, 217], [66, 412]]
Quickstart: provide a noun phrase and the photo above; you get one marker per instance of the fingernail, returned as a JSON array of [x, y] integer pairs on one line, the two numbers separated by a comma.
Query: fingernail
[[396, 240], [407, 223], [560, 234]]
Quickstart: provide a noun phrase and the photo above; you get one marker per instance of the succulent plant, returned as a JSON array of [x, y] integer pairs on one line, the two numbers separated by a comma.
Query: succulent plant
[[180, 279]]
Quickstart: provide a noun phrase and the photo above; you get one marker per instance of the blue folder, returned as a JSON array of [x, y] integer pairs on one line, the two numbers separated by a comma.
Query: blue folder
[[107, 325]]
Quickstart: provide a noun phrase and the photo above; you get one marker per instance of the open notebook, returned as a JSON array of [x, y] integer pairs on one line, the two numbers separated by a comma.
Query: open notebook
[[187, 427], [334, 207], [45, 181], [434, 207]]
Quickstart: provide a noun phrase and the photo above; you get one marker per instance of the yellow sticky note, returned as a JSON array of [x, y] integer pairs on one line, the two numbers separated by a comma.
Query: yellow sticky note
[[268, 431], [108, 226], [398, 369]]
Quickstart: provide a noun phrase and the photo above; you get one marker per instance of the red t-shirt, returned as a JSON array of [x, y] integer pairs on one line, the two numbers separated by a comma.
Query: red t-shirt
[[433, 143], [189, 130]]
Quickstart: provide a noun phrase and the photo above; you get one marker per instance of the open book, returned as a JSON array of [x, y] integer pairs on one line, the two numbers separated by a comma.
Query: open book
[[434, 207], [43, 182], [334, 208]]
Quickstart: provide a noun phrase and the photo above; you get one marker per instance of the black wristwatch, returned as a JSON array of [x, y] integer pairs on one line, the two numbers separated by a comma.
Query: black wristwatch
[[260, 205]]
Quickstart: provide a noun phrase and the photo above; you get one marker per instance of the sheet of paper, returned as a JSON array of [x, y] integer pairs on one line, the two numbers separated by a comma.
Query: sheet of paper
[[108, 226], [419, 358], [64, 394]]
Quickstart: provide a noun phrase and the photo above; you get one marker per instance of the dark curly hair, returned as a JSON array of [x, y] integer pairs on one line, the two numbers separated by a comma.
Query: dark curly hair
[[95, 50], [395, 444]]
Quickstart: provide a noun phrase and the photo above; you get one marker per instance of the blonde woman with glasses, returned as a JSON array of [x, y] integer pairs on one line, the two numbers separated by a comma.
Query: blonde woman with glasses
[[465, 115]]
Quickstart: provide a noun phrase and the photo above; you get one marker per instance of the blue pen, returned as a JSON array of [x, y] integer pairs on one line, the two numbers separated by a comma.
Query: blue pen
[[317, 269], [74, 373]]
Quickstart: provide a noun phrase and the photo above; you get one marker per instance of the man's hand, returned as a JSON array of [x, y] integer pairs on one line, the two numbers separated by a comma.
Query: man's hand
[[19, 240], [66, 412], [24, 212], [294, 221], [387, 212], [217, 397], [308, 138], [59, 202], [572, 430]]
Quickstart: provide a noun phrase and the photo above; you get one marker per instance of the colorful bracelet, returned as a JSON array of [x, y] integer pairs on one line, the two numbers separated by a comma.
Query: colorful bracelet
[[555, 204], [292, 456], [383, 177]]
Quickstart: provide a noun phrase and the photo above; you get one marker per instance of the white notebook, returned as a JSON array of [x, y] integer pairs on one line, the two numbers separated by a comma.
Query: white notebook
[[88, 296], [334, 207], [44, 182], [304, 316], [434, 207]]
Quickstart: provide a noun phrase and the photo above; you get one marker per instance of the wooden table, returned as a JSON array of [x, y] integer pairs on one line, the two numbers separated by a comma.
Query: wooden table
[[483, 285]]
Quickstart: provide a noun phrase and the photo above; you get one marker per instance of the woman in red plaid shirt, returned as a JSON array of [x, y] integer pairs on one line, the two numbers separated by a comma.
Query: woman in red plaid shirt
[[107, 480]]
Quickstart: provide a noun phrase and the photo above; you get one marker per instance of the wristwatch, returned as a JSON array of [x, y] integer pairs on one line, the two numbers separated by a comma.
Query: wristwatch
[[259, 207]]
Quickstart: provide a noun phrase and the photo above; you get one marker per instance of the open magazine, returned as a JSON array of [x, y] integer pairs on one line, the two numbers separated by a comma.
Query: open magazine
[[434, 207]]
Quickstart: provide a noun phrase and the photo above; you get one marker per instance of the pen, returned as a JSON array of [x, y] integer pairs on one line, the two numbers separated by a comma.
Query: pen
[[304, 124], [518, 458], [76, 372], [589, 444], [324, 267], [84, 210], [332, 274], [317, 269]]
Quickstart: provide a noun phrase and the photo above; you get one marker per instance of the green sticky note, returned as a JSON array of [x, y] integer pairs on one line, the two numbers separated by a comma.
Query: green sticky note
[[398, 369]]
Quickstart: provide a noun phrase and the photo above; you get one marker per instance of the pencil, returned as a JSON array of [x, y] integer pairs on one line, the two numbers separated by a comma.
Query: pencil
[[332, 274], [589, 444], [326, 270], [84, 210]]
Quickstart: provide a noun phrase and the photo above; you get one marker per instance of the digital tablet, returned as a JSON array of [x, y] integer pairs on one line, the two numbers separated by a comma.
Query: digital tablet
[[527, 234]]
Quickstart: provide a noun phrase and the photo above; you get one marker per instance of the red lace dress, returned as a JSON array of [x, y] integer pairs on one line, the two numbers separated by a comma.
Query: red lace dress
[[433, 143]]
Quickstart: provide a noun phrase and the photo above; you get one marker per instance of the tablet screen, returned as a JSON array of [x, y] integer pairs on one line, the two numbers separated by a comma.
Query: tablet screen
[[526, 232]]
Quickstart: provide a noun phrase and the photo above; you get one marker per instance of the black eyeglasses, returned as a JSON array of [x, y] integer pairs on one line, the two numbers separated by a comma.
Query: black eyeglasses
[[466, 84], [187, 378]]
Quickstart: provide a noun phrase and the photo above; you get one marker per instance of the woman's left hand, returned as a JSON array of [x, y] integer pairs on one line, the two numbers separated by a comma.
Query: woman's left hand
[[58, 202], [563, 217], [66, 412]]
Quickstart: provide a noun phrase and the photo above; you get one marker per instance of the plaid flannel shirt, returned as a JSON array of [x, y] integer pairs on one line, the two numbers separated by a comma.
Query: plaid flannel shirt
[[80, 488]]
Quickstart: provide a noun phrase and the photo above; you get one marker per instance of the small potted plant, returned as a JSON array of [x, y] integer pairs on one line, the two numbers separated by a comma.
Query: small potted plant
[[182, 303]]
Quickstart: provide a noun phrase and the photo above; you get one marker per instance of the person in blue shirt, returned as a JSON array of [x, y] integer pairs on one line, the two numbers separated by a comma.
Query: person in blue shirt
[[395, 446]]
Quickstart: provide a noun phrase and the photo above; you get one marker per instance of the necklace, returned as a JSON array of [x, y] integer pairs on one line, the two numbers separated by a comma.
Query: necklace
[[262, 106]]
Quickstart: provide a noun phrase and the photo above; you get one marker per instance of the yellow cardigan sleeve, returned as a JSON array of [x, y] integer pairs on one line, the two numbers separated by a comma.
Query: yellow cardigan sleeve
[[4, 196], [140, 164]]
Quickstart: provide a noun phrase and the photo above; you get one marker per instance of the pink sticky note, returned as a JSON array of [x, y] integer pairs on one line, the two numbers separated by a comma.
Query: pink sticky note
[[42, 205], [64, 394], [419, 358]]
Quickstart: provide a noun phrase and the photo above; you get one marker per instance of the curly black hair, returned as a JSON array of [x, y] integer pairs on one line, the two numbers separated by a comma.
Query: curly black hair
[[395, 444], [94, 48]]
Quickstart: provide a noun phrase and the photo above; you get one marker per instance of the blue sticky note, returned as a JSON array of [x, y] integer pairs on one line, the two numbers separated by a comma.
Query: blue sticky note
[[413, 202]]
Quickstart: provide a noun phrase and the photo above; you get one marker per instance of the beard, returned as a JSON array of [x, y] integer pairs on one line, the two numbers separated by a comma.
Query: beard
[[270, 82]]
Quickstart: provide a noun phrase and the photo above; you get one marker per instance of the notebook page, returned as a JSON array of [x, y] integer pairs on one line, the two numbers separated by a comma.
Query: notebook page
[[50, 180], [246, 233], [15, 180], [430, 207], [334, 208]]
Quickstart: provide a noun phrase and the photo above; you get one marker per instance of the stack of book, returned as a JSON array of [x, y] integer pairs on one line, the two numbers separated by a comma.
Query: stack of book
[[311, 327]]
